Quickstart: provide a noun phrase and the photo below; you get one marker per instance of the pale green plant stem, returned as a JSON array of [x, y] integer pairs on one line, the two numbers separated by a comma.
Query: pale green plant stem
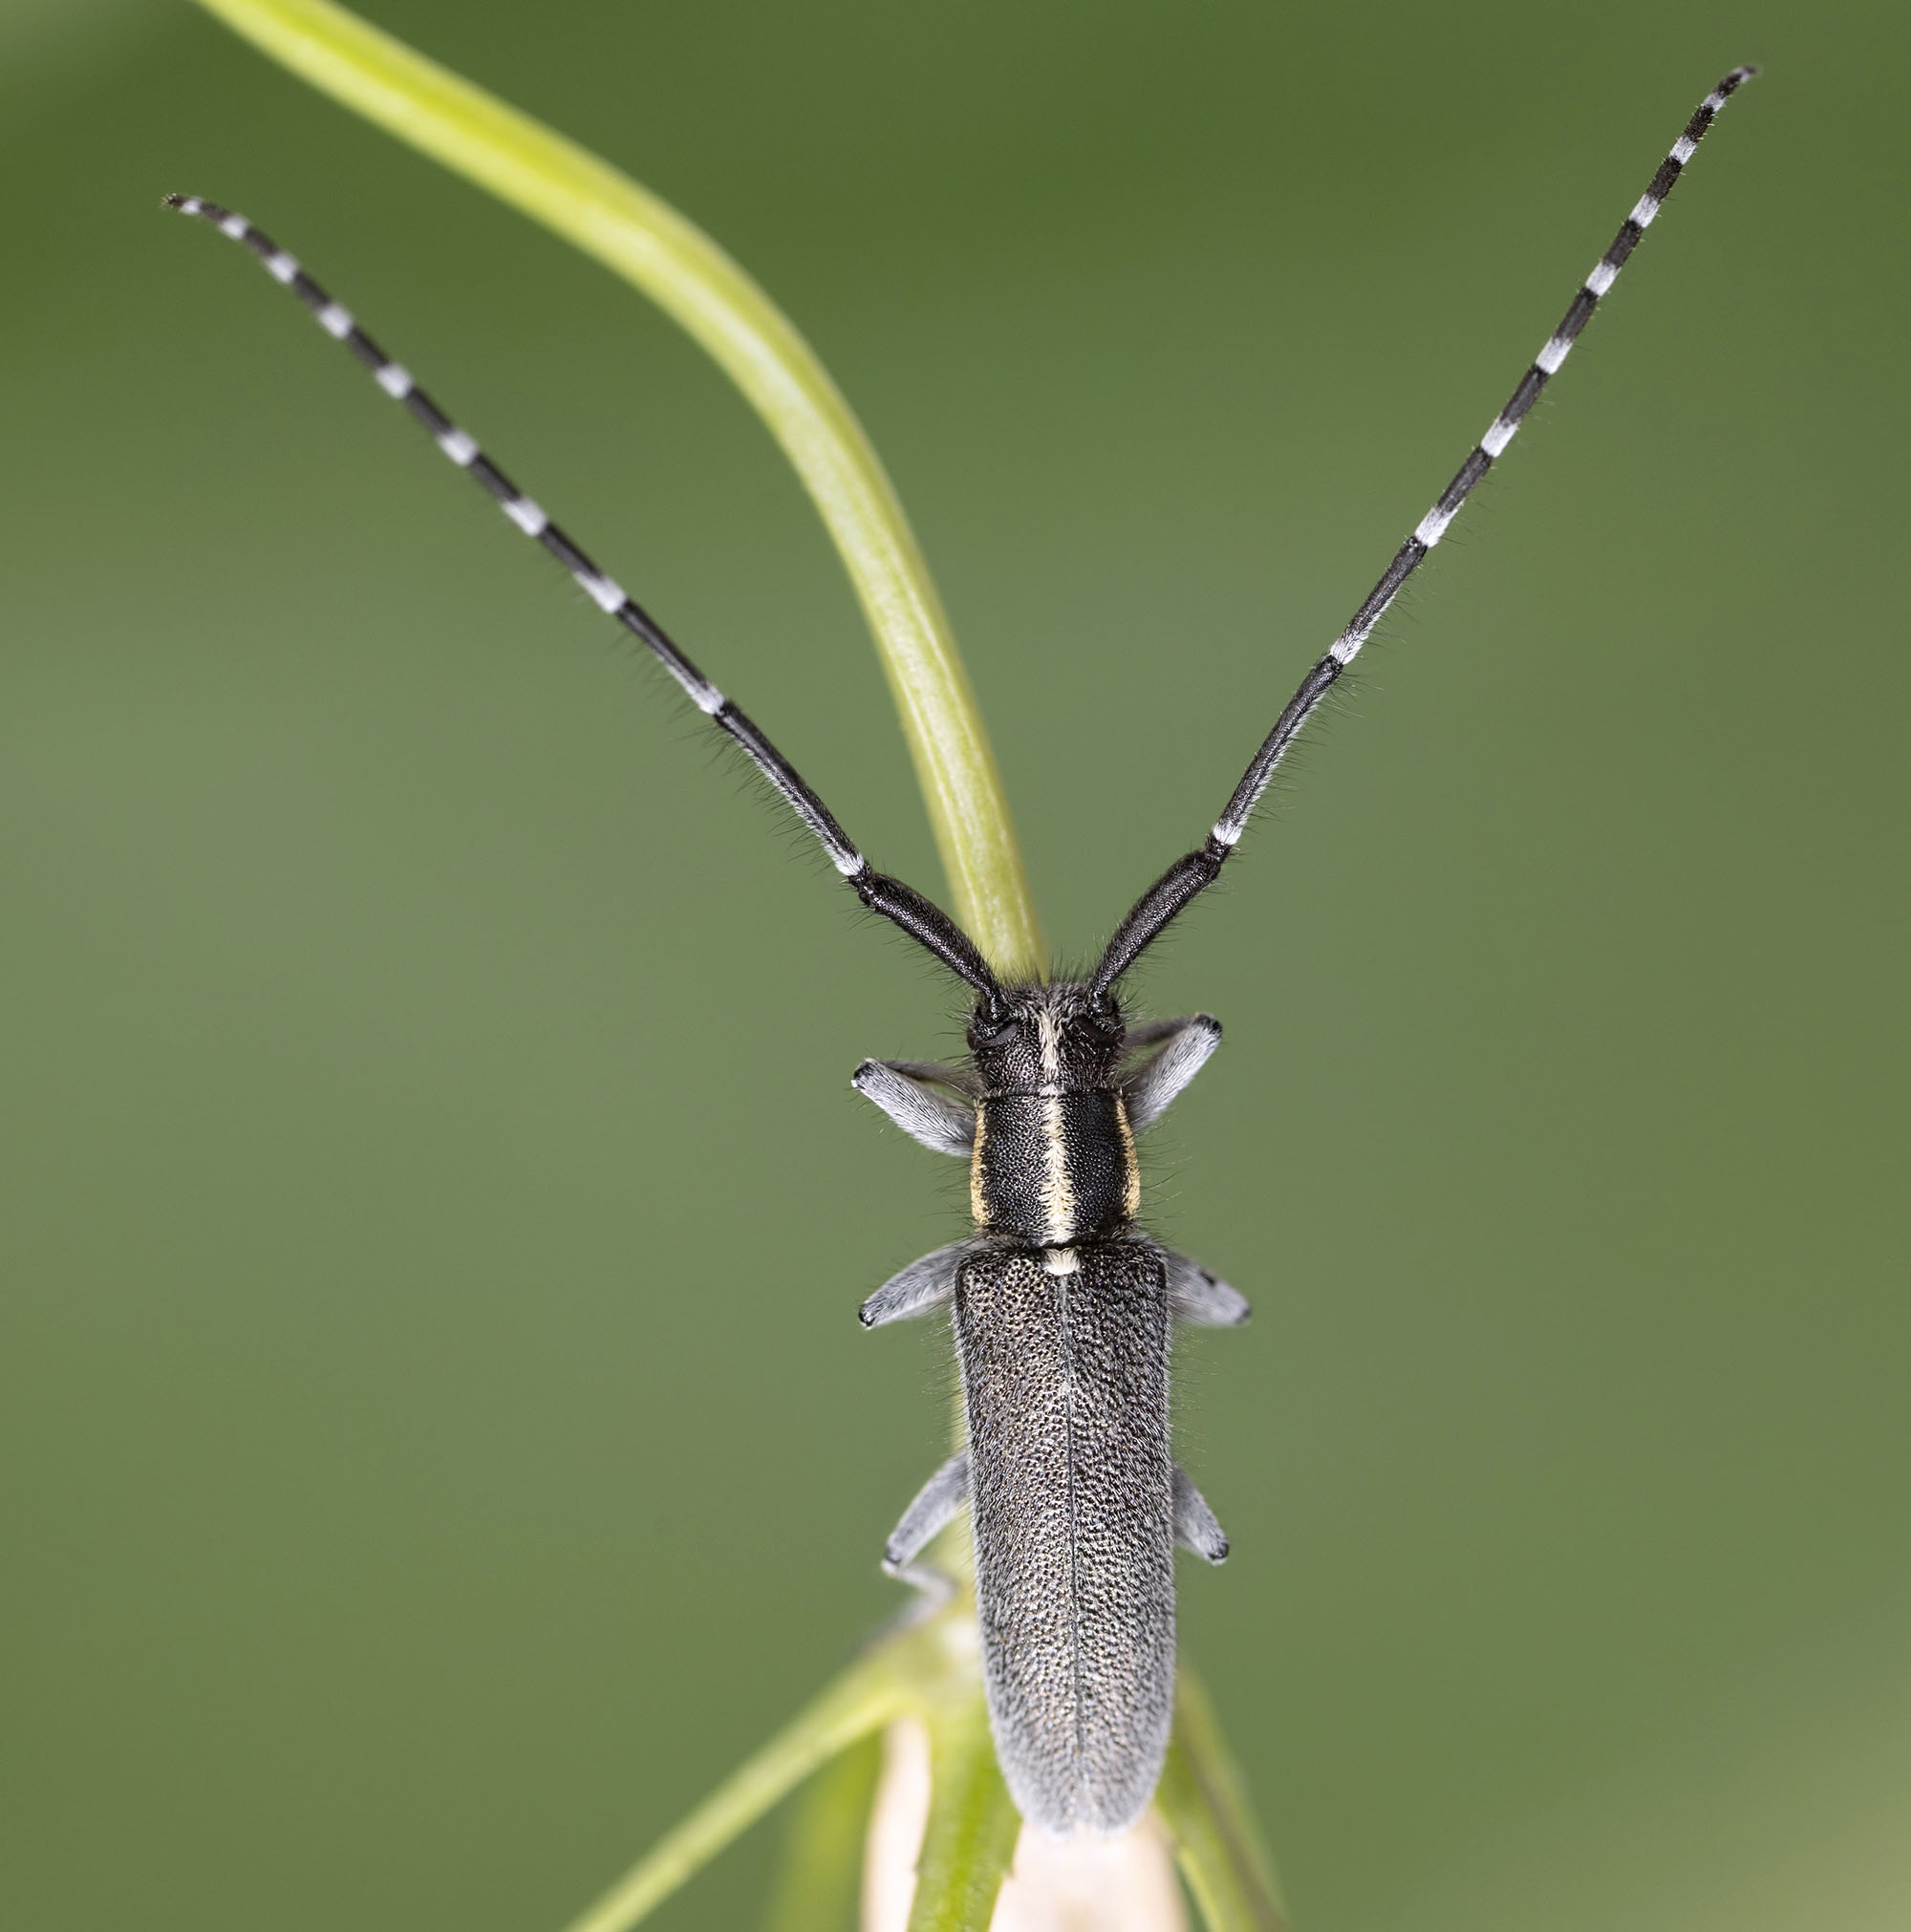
[[928, 1670], [1203, 1801], [605, 213], [861, 1701], [970, 1836], [820, 1876]]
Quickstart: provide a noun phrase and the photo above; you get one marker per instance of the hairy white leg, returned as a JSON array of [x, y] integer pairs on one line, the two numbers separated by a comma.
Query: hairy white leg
[[939, 1120], [915, 1290], [1186, 1046], [1195, 1525], [1199, 1297], [936, 1505]]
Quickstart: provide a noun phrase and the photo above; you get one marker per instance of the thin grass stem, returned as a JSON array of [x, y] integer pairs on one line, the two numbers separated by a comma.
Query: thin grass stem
[[601, 210], [1203, 1801], [864, 1698], [818, 1883]]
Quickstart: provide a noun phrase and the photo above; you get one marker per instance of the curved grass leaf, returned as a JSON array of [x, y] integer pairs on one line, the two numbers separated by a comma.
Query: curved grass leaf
[[972, 1823], [923, 1667], [1203, 1801], [819, 1886], [605, 213], [866, 1697]]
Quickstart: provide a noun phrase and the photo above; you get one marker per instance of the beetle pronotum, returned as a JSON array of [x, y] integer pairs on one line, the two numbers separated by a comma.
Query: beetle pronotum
[[1061, 1303]]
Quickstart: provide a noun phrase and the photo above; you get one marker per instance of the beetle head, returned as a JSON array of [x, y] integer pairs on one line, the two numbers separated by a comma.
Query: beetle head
[[1050, 1039]]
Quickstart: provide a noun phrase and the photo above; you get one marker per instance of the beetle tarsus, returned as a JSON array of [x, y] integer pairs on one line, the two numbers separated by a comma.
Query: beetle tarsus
[[922, 1286], [1195, 1527]]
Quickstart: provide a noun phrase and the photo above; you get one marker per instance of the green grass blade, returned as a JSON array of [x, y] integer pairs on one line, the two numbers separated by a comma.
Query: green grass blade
[[605, 213], [819, 1886], [1203, 1801], [866, 1697], [973, 1824]]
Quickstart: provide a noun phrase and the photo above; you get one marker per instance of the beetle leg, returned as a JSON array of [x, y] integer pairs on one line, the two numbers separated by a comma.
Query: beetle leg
[[933, 1510], [1195, 1526], [958, 1079], [1199, 1297], [1183, 1052], [923, 1285], [919, 1102]]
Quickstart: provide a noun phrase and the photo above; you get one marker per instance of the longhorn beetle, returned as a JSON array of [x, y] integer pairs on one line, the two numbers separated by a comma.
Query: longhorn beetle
[[1061, 1301]]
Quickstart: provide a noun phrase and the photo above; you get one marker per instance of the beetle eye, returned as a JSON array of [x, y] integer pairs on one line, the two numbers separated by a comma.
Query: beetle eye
[[986, 1031]]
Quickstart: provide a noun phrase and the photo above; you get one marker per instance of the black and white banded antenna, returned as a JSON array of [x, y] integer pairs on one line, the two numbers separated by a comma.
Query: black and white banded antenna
[[924, 921], [1189, 876]]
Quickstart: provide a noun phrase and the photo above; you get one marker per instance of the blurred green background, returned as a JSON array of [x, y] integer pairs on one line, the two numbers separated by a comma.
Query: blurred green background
[[436, 1439]]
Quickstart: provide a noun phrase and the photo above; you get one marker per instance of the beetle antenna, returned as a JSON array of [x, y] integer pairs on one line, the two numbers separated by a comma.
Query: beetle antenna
[[1192, 875], [924, 921]]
